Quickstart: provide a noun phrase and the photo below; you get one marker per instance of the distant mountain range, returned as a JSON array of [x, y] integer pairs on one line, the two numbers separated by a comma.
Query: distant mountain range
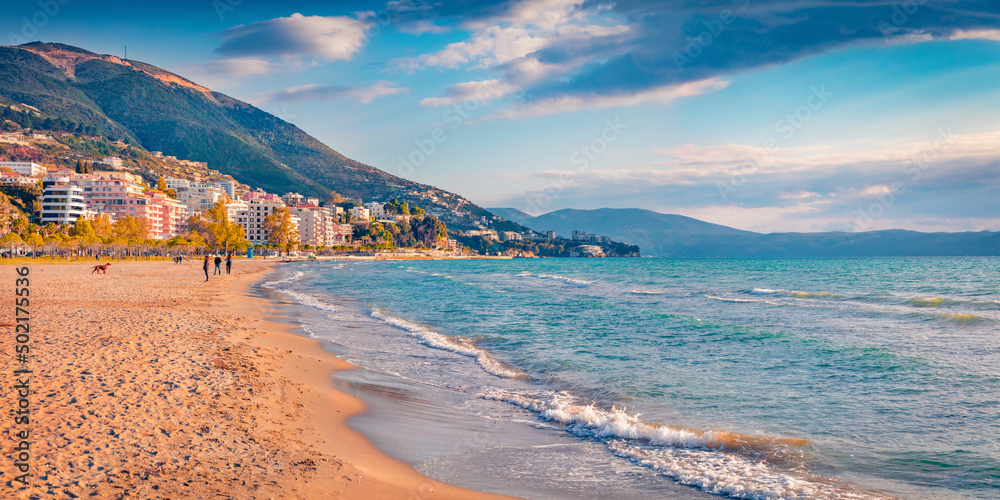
[[667, 235], [160, 111]]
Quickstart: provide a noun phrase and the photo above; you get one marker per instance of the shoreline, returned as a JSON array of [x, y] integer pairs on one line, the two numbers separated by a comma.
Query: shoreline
[[150, 382]]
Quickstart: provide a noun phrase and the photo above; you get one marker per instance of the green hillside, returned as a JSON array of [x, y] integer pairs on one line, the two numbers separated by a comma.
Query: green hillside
[[161, 111]]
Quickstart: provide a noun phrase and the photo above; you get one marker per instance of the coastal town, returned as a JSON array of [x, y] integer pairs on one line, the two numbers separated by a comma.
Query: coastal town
[[58, 192]]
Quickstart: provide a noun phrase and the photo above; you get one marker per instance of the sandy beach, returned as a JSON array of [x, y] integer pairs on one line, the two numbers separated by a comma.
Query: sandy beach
[[149, 382]]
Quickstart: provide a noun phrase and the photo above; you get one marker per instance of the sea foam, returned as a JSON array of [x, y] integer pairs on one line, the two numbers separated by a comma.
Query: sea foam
[[458, 345], [713, 461]]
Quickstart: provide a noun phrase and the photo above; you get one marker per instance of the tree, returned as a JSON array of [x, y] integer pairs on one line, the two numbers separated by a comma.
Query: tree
[[19, 225], [131, 229], [280, 230], [335, 199], [225, 232], [430, 230], [161, 184], [404, 208], [103, 228], [35, 240], [83, 228], [11, 239]]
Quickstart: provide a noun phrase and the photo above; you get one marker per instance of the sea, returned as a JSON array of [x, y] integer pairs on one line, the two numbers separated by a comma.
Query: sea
[[848, 378]]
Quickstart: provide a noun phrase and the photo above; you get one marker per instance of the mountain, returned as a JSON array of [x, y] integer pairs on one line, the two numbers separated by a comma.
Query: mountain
[[511, 214], [666, 235], [647, 229], [161, 111]]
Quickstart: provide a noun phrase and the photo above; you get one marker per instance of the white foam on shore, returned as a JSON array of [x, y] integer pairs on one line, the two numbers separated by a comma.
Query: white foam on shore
[[458, 345], [731, 475], [766, 291], [274, 284], [691, 457], [307, 300], [647, 292]]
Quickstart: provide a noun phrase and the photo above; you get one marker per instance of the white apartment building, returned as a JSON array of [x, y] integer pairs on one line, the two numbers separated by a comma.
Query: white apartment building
[[62, 201], [198, 197], [376, 209], [252, 220], [16, 179], [24, 168], [359, 214], [113, 162], [228, 187]]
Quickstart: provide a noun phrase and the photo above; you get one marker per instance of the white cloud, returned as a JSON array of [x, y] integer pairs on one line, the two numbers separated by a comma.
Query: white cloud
[[325, 38], [482, 91], [422, 27], [491, 46], [318, 92], [976, 35], [575, 102]]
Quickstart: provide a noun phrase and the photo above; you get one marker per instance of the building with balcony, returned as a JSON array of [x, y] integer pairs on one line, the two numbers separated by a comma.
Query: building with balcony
[[62, 201]]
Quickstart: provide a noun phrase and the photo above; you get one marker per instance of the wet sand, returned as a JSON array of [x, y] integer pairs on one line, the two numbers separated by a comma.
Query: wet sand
[[151, 383]]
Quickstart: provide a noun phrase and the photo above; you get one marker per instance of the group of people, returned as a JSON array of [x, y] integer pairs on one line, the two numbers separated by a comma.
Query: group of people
[[218, 263]]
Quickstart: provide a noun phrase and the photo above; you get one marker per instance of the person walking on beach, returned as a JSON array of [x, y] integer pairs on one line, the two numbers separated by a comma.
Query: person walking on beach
[[229, 263], [218, 263], [205, 267]]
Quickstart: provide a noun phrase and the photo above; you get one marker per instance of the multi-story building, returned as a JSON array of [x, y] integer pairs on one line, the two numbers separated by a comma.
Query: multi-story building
[[376, 209], [259, 206], [360, 214], [509, 236], [293, 199], [62, 201], [24, 168], [315, 225], [341, 234], [592, 238], [121, 195], [113, 162], [228, 187], [16, 179], [197, 196], [115, 194], [164, 215]]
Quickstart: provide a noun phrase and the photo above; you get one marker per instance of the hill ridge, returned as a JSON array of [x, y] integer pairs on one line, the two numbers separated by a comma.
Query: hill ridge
[[160, 111]]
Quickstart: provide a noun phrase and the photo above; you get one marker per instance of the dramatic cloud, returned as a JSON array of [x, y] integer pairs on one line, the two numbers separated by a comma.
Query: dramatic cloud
[[316, 92], [298, 36], [603, 51]]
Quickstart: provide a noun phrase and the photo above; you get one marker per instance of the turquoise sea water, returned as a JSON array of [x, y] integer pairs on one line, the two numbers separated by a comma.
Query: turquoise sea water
[[758, 378]]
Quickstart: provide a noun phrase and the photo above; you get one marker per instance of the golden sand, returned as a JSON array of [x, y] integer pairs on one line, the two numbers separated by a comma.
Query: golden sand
[[151, 383]]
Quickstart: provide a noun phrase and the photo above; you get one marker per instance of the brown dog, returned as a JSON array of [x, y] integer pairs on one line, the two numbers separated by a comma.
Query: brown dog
[[102, 269]]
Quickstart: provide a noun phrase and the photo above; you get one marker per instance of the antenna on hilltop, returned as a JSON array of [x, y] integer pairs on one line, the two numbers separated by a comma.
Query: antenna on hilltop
[[126, 52]]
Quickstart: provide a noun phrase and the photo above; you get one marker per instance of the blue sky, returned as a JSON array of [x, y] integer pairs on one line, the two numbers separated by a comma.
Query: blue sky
[[767, 115]]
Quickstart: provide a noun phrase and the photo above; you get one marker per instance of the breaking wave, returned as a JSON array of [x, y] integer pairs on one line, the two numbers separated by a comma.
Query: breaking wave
[[458, 345], [718, 462]]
